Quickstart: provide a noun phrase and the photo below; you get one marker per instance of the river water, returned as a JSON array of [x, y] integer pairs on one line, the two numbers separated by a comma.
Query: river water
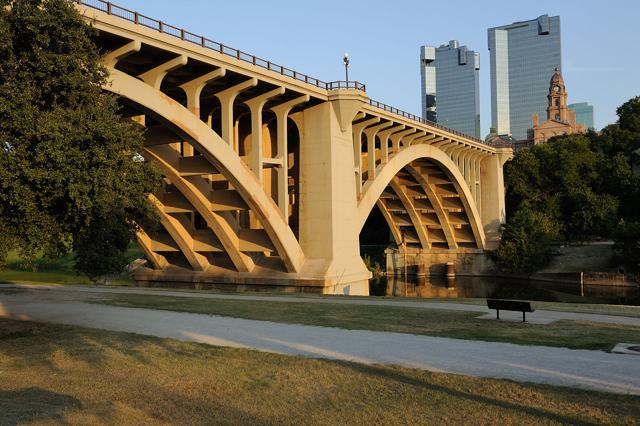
[[503, 288]]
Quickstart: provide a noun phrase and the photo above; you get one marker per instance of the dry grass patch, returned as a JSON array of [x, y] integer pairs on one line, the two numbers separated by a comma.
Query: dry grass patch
[[64, 374]]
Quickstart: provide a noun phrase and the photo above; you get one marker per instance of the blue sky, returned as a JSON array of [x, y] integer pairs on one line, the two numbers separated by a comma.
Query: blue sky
[[600, 40]]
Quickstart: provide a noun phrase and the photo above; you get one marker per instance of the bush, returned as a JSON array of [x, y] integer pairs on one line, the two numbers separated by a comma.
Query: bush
[[526, 242], [627, 244]]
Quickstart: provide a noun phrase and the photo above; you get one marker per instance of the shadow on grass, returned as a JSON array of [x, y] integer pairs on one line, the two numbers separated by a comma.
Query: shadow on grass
[[34, 404], [489, 402]]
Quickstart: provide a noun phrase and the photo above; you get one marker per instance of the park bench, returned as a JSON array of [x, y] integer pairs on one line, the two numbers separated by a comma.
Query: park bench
[[509, 305]]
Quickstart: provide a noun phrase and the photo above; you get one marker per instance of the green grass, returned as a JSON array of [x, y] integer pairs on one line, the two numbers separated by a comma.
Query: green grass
[[52, 271], [432, 322], [54, 374]]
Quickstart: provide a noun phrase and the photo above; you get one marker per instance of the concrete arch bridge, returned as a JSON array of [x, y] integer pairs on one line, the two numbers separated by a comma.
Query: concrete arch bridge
[[270, 175]]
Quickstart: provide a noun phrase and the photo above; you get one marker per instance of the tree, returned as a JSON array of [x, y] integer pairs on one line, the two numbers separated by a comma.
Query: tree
[[526, 242], [70, 176], [584, 184], [560, 179], [627, 244]]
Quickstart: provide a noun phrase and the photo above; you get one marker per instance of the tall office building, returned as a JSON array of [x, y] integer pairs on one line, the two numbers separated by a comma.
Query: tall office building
[[523, 55], [584, 114], [450, 87]]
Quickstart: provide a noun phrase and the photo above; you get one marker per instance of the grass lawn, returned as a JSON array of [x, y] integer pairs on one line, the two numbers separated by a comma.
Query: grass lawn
[[52, 271], [72, 375], [432, 322]]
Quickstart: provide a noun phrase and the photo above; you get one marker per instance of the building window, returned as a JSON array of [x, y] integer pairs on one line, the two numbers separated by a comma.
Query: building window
[[557, 117], [558, 102]]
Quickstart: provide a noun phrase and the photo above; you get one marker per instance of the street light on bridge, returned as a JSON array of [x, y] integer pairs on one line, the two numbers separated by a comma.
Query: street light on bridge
[[345, 59]]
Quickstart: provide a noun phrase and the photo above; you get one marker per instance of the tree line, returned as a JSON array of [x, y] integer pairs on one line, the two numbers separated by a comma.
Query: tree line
[[574, 188]]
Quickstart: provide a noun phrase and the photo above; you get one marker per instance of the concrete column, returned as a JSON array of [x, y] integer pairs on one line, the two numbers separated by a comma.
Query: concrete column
[[370, 134], [397, 137], [409, 140], [256, 105], [154, 76], [492, 196], [193, 90], [329, 234], [384, 141], [111, 59], [358, 129], [282, 115], [227, 98]]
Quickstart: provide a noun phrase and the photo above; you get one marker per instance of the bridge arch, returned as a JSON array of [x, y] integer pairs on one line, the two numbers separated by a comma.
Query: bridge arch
[[223, 159], [411, 180]]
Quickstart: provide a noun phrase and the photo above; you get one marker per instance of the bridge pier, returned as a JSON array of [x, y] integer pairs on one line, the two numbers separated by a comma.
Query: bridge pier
[[329, 234]]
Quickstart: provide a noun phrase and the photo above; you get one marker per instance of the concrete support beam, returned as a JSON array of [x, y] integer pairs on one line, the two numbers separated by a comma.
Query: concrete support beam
[[193, 90], [154, 76], [370, 134], [144, 241], [358, 130], [227, 98], [111, 59], [395, 229], [436, 202], [408, 140], [384, 140], [397, 137], [282, 114], [181, 236], [256, 105], [407, 202]]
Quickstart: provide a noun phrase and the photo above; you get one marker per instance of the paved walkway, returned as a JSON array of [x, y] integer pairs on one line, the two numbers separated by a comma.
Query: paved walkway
[[558, 366], [537, 317]]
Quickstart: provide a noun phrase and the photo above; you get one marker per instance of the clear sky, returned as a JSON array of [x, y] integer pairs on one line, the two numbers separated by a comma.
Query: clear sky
[[600, 40]]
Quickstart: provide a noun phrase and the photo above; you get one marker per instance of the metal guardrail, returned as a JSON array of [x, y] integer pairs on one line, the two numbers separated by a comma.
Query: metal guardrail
[[182, 34], [414, 117], [342, 84]]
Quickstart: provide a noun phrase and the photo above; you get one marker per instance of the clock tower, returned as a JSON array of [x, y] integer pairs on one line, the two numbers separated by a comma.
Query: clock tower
[[558, 109], [560, 119]]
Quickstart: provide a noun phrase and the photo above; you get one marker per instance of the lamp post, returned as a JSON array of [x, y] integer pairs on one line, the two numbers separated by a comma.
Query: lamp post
[[345, 59]]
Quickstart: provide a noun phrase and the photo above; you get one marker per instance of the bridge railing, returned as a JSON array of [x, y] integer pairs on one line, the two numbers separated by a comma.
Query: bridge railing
[[342, 84], [163, 27], [414, 117]]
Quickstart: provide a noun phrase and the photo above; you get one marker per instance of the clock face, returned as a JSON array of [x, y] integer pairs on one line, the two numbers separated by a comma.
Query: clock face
[[556, 88]]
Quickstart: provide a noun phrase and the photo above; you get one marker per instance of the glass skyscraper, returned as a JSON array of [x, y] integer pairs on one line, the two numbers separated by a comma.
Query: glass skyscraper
[[584, 114], [523, 58], [450, 87]]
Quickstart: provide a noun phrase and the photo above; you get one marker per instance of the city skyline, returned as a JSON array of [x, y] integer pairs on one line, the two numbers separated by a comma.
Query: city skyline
[[594, 63], [523, 56], [454, 90]]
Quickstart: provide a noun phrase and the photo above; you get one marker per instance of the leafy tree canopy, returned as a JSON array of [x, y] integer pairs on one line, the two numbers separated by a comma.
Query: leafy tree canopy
[[69, 174], [579, 186]]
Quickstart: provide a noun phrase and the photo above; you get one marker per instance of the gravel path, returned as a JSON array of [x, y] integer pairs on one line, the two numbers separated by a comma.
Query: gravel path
[[594, 370]]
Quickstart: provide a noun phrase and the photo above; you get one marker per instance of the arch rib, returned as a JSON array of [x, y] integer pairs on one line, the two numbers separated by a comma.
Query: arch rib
[[220, 227], [437, 206], [386, 172], [221, 155], [181, 236], [413, 213], [395, 230]]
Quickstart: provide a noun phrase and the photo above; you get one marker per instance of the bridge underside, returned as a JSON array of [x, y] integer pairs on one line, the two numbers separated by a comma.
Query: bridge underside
[[258, 169]]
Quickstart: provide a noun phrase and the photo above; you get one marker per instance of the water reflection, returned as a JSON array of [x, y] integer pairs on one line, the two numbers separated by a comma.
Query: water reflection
[[490, 287]]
